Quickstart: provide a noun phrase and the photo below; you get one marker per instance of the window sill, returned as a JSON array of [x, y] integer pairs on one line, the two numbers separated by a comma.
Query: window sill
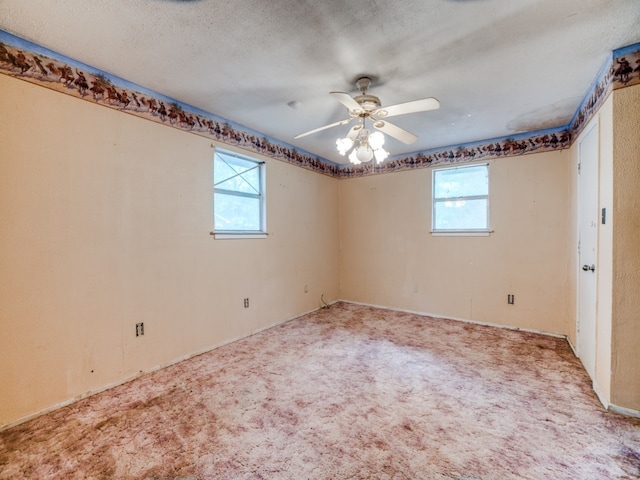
[[461, 233], [237, 235]]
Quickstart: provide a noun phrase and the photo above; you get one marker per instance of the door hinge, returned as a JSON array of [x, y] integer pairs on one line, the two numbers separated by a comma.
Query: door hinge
[[579, 166]]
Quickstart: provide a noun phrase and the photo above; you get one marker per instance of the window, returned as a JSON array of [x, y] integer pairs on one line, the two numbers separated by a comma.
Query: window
[[238, 195], [461, 200]]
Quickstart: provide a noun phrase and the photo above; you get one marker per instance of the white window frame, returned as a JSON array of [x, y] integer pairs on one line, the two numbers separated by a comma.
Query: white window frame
[[235, 234], [464, 231]]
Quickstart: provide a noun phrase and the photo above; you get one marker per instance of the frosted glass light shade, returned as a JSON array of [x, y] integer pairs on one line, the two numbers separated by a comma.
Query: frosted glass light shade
[[364, 153], [376, 140], [344, 144], [381, 155]]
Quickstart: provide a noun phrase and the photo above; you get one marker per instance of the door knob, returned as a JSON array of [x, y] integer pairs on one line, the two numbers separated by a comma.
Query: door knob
[[586, 268]]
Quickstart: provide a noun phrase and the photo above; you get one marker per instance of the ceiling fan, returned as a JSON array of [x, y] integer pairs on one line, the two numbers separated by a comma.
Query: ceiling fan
[[365, 106]]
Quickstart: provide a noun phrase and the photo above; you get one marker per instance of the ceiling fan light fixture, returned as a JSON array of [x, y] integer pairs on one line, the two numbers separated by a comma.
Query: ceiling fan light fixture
[[364, 147]]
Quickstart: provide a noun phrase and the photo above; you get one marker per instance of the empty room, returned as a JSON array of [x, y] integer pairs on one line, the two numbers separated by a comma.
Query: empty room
[[320, 240]]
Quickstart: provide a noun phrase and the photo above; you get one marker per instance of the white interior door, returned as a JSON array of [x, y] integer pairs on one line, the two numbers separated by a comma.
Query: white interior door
[[588, 145]]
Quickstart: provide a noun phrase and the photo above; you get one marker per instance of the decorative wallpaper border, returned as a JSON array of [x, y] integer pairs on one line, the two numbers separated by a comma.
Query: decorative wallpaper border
[[514, 145], [618, 72], [622, 69], [28, 61]]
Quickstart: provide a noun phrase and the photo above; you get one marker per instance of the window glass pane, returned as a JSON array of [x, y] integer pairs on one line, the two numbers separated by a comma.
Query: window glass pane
[[251, 183], [238, 196], [461, 182], [222, 171], [461, 215], [235, 213], [236, 174]]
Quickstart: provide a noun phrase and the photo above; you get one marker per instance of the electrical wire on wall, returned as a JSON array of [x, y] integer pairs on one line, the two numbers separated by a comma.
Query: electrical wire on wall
[[324, 304]]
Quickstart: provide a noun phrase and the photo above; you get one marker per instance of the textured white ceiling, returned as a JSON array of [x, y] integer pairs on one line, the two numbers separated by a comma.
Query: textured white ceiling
[[498, 67]]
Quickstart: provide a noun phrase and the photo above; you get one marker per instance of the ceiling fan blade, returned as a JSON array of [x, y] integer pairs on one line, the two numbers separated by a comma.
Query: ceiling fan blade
[[319, 129], [395, 131], [348, 101], [422, 105]]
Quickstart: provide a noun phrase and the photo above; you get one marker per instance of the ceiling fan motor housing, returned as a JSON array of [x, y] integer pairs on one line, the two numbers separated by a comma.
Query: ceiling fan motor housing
[[368, 103]]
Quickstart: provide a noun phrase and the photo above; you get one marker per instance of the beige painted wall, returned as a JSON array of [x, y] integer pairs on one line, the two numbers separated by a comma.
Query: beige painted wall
[[105, 223], [625, 362], [388, 257]]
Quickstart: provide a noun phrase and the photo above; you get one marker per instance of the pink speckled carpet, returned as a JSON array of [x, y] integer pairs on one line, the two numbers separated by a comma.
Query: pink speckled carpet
[[349, 392]]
